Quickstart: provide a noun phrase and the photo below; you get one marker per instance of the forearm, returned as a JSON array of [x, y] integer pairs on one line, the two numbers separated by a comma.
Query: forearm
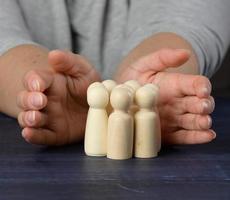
[[157, 42], [14, 64]]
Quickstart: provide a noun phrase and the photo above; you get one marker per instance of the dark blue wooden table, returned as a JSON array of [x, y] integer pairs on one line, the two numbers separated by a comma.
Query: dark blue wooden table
[[180, 172]]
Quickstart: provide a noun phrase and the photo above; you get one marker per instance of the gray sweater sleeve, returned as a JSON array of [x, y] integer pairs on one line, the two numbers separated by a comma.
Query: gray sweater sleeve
[[13, 30], [204, 23]]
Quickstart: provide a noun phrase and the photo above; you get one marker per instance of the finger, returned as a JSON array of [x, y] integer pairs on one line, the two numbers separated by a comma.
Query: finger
[[162, 59], [195, 105], [69, 63], [194, 85], [193, 121], [32, 119], [31, 100], [189, 137], [38, 80], [184, 84], [39, 136]]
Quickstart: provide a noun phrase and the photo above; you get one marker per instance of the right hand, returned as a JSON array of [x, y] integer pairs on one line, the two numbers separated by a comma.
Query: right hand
[[184, 100]]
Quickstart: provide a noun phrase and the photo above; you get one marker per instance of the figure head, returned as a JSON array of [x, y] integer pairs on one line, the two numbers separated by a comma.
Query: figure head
[[133, 84], [97, 95], [109, 85], [145, 97], [155, 88], [128, 88], [120, 99]]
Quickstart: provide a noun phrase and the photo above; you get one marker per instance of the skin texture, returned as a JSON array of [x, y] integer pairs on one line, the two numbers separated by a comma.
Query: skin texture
[[49, 94]]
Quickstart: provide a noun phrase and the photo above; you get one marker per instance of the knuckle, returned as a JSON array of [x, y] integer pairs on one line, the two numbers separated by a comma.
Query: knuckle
[[186, 104], [33, 81], [20, 99], [195, 122], [181, 121], [29, 75]]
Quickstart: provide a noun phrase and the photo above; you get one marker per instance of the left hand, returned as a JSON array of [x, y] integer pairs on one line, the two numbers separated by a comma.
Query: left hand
[[53, 105]]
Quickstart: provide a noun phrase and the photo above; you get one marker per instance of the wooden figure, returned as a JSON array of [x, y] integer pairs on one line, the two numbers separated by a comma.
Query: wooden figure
[[120, 125], [97, 120], [146, 144], [156, 89]]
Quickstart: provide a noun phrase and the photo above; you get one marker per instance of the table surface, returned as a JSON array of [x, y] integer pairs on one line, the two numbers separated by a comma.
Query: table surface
[[180, 172]]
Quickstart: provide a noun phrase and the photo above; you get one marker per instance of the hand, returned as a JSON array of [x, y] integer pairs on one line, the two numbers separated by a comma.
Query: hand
[[54, 106], [184, 100]]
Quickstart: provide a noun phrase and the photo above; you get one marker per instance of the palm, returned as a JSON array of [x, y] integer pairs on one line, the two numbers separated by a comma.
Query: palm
[[66, 108]]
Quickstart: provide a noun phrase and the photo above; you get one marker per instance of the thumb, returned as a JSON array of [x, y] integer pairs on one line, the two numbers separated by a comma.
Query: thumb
[[69, 63], [162, 59]]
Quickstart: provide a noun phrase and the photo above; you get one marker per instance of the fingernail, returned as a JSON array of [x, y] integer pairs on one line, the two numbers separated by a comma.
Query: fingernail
[[206, 91], [23, 133], [209, 121], [35, 85], [205, 105], [214, 134], [37, 100], [31, 117]]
